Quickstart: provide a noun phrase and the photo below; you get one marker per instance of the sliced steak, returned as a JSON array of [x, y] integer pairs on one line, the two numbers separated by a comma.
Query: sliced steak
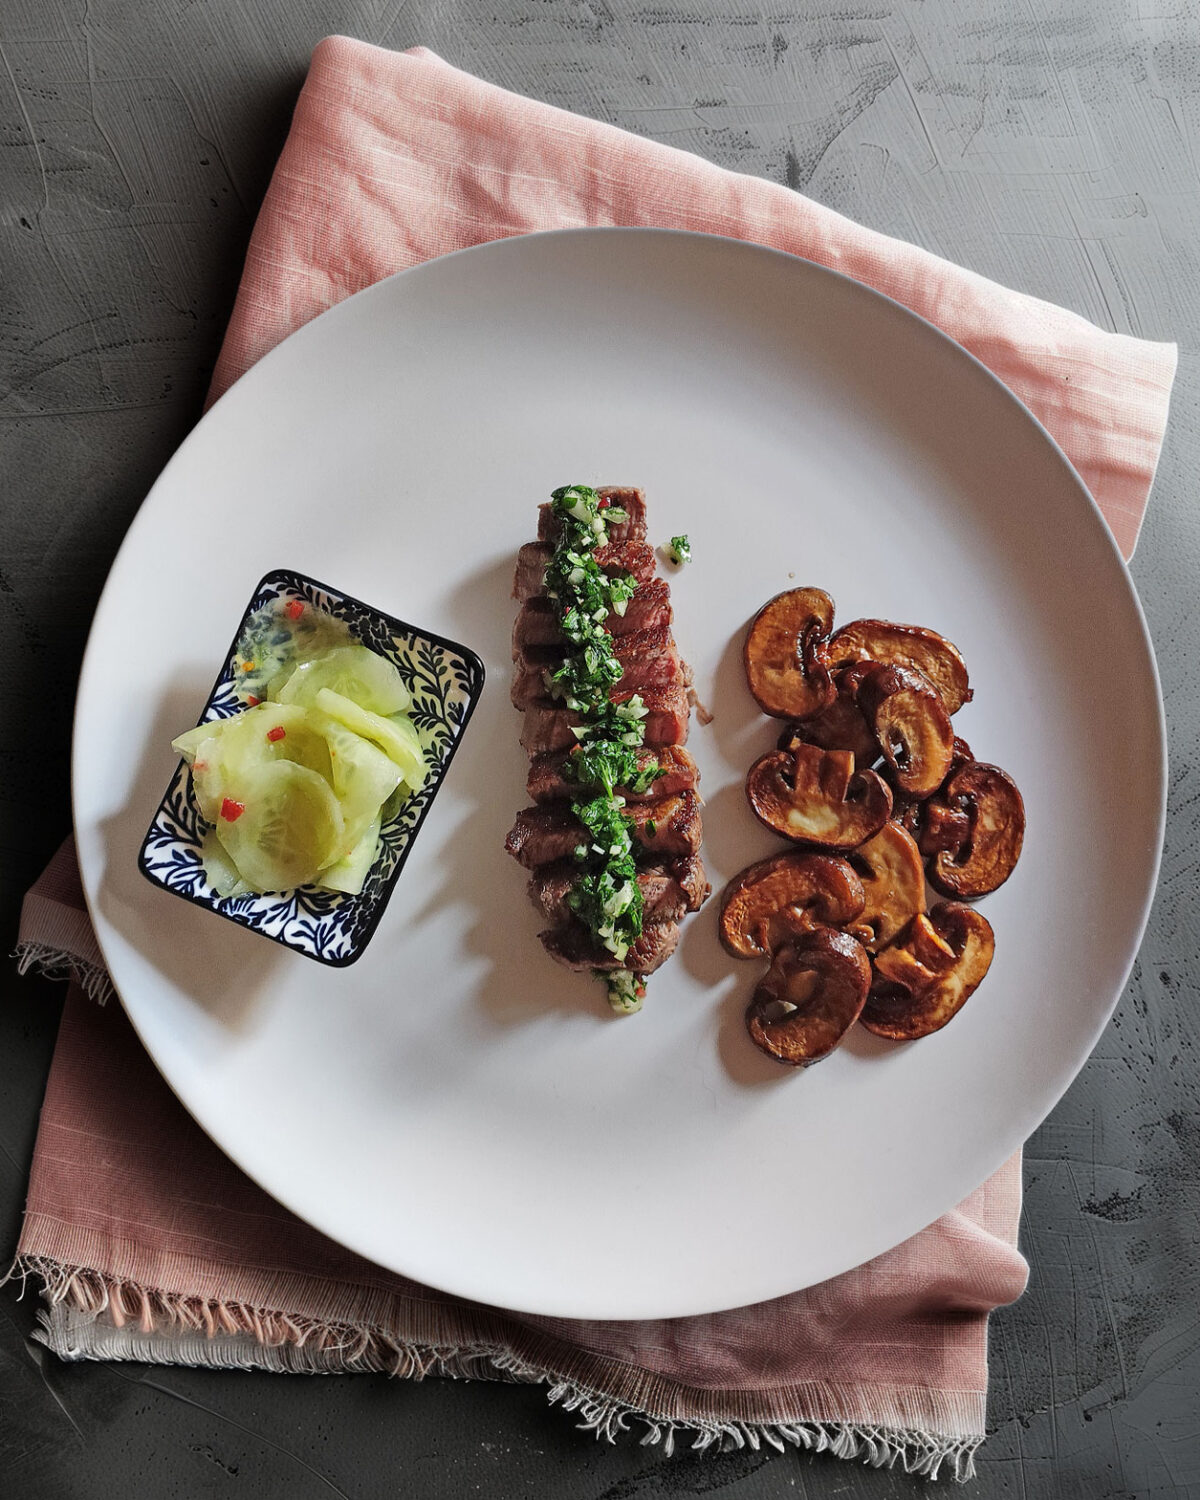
[[547, 729], [623, 557], [542, 835], [550, 830], [693, 881], [573, 946], [668, 891], [649, 657], [631, 501], [537, 622], [669, 826], [547, 783]]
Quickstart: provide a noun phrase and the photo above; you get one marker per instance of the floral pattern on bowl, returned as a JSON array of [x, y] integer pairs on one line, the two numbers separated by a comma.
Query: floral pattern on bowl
[[445, 681]]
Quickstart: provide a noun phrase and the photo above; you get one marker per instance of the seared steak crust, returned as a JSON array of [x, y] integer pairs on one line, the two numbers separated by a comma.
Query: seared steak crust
[[575, 948], [548, 782], [550, 831], [631, 530], [550, 728], [614, 557], [537, 621], [668, 891], [649, 657]]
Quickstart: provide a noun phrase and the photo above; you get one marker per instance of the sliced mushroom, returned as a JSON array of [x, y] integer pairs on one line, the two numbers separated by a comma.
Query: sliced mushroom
[[934, 825], [786, 654], [909, 645], [784, 897], [973, 829], [893, 881], [815, 796], [841, 726], [924, 980], [911, 724], [810, 997]]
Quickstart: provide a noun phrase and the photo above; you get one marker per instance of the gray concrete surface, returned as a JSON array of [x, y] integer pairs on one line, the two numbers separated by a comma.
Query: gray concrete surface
[[1048, 143]]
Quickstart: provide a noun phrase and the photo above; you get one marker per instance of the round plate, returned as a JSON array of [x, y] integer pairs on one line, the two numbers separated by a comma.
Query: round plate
[[456, 1107]]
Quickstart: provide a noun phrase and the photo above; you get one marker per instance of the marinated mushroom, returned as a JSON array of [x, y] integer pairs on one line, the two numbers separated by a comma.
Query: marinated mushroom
[[786, 654], [925, 978], [784, 897], [911, 724], [815, 796], [893, 881], [973, 829], [909, 645], [810, 997], [841, 726], [933, 824]]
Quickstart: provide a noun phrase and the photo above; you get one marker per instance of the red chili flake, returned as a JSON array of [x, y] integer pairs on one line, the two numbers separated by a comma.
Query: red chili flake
[[199, 765], [252, 700], [293, 609], [276, 734], [231, 811], [603, 503]]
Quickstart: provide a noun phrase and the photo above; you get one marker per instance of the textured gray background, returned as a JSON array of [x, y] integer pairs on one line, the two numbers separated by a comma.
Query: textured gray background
[[1048, 143]]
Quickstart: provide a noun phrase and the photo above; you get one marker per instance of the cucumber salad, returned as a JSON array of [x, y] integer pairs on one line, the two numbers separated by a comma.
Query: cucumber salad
[[296, 787]]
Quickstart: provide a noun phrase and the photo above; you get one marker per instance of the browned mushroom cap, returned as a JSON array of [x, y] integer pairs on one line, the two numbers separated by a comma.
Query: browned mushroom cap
[[815, 796], [911, 646], [924, 980], [841, 726], [809, 998], [911, 724], [933, 824], [893, 881], [783, 897], [974, 828], [786, 654]]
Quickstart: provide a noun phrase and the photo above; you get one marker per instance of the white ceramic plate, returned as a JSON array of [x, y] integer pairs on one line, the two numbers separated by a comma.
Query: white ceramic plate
[[455, 1106]]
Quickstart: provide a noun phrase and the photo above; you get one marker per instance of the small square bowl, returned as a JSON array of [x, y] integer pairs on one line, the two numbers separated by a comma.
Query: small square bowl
[[445, 681]]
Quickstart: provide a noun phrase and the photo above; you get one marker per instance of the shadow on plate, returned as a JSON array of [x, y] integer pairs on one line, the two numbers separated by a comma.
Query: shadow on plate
[[741, 730], [521, 981]]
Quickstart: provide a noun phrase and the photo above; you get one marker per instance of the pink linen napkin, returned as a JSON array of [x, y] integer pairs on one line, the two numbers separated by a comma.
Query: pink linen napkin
[[151, 1245]]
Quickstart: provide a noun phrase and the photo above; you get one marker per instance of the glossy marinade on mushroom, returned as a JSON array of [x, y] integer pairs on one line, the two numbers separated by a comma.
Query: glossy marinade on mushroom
[[880, 802]]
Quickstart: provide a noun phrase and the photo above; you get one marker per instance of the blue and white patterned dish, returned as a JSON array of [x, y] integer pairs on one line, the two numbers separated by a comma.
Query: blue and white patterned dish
[[445, 681]]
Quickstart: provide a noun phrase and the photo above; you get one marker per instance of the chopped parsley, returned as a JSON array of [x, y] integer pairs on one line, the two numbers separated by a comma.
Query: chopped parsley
[[680, 551], [605, 895], [608, 764]]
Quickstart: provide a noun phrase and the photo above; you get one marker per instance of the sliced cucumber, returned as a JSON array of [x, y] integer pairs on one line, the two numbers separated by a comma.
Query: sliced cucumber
[[407, 731], [403, 748], [349, 874], [296, 788], [281, 825], [208, 777], [356, 672], [275, 731], [187, 744], [363, 776], [219, 869]]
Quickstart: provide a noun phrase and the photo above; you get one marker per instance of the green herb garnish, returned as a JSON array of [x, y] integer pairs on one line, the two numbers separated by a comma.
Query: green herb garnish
[[605, 896], [601, 763], [680, 551]]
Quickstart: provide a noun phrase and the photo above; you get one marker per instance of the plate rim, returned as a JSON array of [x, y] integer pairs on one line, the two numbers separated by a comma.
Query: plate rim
[[511, 244]]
